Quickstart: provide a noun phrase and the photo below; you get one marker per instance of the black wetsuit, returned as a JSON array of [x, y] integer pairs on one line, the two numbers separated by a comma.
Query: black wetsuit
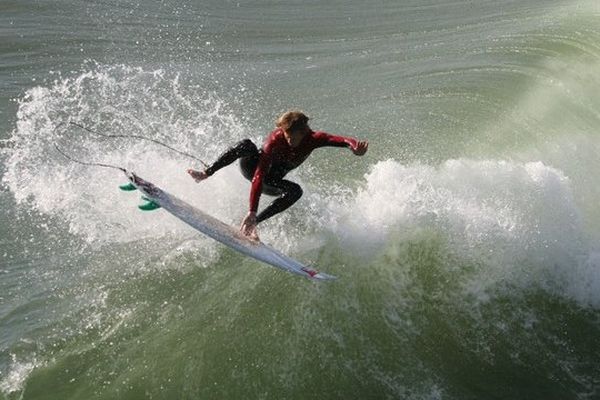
[[267, 167]]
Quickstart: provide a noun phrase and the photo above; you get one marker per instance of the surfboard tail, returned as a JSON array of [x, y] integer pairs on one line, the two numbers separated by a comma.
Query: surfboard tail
[[321, 276]]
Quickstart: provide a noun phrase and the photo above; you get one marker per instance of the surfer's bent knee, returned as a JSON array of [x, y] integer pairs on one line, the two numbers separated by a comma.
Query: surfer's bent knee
[[249, 158], [295, 192]]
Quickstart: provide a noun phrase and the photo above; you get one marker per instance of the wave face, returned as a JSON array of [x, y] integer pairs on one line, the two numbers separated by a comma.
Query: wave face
[[467, 240]]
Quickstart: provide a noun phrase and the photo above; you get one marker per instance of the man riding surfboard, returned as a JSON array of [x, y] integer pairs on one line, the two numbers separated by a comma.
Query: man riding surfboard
[[288, 146]]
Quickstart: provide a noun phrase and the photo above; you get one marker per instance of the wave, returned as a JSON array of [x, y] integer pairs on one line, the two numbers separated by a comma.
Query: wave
[[471, 255], [518, 219]]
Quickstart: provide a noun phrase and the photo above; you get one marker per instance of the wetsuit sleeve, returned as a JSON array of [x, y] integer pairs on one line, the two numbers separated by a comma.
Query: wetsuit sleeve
[[264, 163], [325, 139]]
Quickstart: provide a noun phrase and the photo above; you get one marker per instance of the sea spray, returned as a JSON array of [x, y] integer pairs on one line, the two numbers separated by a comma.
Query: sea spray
[[518, 221]]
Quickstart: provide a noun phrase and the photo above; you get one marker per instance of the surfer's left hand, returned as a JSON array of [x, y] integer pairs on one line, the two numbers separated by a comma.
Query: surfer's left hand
[[361, 148], [248, 227]]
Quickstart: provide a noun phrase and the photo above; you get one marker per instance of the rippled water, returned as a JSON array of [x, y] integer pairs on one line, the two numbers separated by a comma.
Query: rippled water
[[466, 240]]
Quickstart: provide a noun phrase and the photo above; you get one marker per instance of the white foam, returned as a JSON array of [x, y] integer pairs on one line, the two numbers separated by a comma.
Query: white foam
[[119, 100], [518, 220], [17, 374]]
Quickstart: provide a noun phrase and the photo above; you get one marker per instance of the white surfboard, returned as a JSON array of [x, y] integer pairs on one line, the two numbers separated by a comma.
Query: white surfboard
[[222, 232]]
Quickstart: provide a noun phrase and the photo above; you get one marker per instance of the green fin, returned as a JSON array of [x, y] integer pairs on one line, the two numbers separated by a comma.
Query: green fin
[[148, 206], [128, 187]]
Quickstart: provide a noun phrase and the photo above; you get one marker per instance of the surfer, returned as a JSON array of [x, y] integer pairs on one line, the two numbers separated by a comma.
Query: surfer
[[283, 150]]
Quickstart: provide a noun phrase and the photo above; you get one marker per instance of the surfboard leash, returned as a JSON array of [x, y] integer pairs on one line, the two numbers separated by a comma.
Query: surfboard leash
[[158, 142], [149, 204], [92, 164]]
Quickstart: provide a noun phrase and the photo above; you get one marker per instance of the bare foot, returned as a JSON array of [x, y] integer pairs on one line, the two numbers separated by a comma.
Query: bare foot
[[197, 175]]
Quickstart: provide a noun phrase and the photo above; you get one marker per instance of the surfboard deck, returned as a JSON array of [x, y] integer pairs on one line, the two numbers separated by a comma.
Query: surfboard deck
[[223, 232]]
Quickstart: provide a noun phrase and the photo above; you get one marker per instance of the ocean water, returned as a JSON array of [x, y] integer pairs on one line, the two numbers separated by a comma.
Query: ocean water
[[466, 241]]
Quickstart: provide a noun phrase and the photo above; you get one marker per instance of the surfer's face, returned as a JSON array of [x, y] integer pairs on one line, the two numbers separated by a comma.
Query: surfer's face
[[295, 136]]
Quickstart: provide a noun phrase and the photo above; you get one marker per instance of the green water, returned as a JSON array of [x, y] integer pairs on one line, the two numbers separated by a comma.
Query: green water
[[465, 241]]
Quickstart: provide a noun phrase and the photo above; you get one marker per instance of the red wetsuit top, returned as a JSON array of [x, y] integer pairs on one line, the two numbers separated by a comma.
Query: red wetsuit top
[[277, 155]]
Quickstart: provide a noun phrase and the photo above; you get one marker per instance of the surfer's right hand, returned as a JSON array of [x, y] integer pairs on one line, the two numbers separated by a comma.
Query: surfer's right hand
[[248, 227], [197, 175]]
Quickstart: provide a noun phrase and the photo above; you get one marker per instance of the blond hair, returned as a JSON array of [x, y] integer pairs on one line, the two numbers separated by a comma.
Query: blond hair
[[292, 120]]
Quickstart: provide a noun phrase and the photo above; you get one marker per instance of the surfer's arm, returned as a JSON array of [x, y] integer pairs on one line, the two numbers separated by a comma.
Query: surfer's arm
[[358, 147], [264, 163], [249, 222]]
